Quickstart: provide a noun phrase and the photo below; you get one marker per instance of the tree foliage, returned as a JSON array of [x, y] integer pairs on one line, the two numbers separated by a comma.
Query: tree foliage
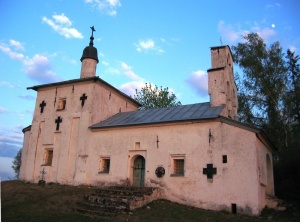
[[292, 99], [262, 86], [17, 163], [269, 97], [153, 97]]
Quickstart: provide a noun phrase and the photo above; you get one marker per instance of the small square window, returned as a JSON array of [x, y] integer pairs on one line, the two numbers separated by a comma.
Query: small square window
[[61, 104], [177, 166], [48, 156], [224, 158], [137, 145], [104, 165]]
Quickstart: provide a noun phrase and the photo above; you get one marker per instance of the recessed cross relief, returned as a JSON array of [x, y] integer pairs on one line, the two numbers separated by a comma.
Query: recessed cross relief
[[83, 98], [58, 121], [42, 105], [209, 171]]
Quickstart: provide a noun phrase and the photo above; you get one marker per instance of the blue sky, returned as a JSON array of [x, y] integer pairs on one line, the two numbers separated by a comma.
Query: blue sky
[[166, 43]]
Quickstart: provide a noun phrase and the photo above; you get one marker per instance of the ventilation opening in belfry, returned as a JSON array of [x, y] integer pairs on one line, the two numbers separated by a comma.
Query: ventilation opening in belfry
[[233, 208]]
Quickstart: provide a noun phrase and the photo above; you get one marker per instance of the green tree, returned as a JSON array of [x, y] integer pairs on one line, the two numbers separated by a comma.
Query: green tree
[[262, 86], [269, 96], [153, 97], [17, 163], [292, 100]]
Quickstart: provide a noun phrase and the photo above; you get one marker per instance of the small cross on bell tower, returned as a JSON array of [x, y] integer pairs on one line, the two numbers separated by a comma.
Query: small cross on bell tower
[[89, 58]]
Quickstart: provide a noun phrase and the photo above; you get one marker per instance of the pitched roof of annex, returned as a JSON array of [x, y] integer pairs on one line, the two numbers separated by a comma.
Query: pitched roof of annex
[[198, 111]]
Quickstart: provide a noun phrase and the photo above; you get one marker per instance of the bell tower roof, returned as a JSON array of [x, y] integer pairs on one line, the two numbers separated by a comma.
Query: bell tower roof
[[90, 51]]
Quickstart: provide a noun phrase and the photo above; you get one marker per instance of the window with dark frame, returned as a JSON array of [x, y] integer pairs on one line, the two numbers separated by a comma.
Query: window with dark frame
[[104, 165], [61, 104], [224, 157], [48, 157], [178, 167]]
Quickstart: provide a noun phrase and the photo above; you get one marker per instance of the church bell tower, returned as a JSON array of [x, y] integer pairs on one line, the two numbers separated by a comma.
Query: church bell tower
[[89, 59], [221, 85]]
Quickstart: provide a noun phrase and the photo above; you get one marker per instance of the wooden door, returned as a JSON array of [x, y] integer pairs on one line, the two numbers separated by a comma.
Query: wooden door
[[139, 172]]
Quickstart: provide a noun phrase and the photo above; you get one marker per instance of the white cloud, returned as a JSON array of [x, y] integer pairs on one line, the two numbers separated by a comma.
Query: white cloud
[[105, 63], [129, 73], [275, 5], [232, 33], [4, 83], [137, 82], [16, 44], [227, 32], [11, 54], [62, 25], [37, 68], [3, 110], [108, 6], [148, 45], [62, 19], [198, 80], [130, 87], [265, 33], [113, 71]]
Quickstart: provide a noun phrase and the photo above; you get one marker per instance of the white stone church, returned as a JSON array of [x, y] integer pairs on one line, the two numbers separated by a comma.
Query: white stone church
[[85, 131]]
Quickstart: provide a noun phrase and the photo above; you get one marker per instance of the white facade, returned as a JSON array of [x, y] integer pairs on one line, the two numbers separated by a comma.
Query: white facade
[[62, 142]]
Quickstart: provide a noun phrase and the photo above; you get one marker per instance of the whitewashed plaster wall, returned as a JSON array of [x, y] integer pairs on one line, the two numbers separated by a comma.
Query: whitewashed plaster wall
[[70, 142], [236, 181]]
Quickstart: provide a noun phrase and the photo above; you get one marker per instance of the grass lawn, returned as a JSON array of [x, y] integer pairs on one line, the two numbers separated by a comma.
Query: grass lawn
[[30, 202]]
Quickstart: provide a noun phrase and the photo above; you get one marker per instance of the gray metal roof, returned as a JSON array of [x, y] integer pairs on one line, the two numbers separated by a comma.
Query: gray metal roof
[[197, 111]]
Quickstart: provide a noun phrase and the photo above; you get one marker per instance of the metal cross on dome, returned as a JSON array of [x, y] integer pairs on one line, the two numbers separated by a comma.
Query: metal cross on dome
[[93, 30]]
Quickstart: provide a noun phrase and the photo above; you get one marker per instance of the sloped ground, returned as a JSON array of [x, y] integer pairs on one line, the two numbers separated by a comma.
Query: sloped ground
[[30, 202]]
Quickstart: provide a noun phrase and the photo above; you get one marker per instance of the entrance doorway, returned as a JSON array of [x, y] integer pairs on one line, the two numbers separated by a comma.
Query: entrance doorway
[[139, 172]]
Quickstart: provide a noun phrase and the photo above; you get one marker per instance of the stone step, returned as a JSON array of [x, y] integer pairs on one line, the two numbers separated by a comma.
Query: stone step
[[107, 201], [126, 192], [96, 197], [275, 203], [116, 200]]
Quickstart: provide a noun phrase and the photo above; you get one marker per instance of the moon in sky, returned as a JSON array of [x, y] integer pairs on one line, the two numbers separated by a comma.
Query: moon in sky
[[273, 25]]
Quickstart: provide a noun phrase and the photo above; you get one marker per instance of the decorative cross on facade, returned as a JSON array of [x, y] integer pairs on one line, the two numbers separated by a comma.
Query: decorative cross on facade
[[42, 105], [58, 121], [209, 171], [83, 98]]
